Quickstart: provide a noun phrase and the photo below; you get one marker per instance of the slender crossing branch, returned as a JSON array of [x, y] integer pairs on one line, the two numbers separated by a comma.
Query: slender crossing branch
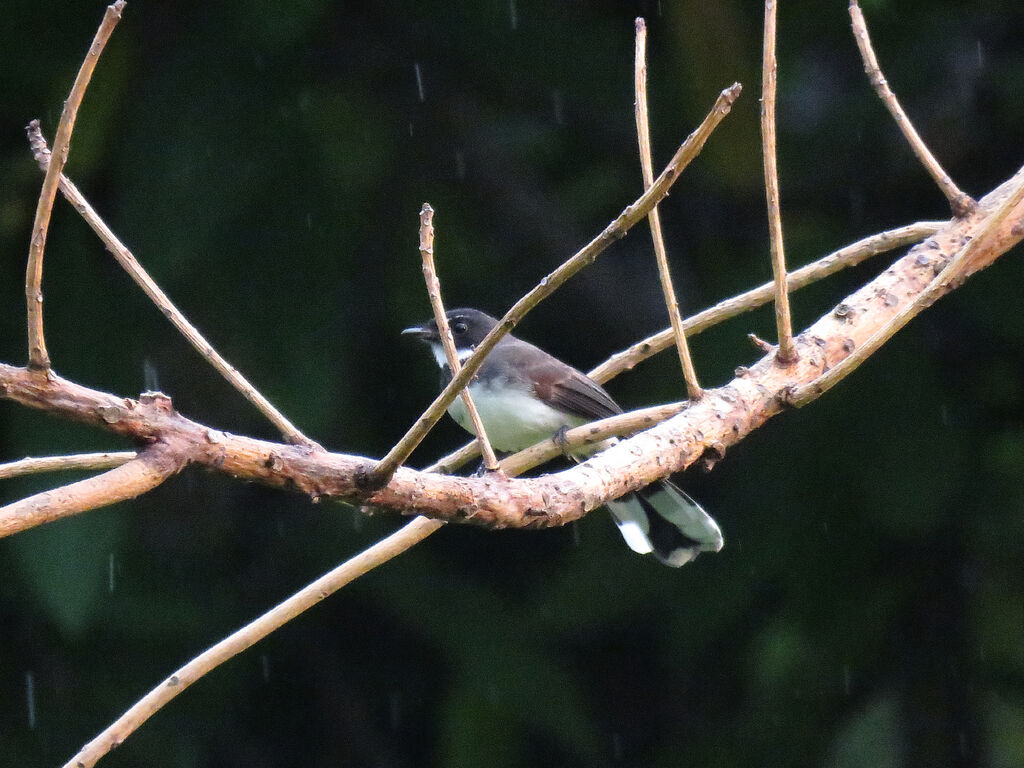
[[643, 133], [76, 462], [434, 293], [959, 201], [38, 357], [135, 270]]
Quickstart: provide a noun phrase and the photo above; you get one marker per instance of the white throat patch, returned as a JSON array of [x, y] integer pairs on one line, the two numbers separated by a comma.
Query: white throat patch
[[442, 360]]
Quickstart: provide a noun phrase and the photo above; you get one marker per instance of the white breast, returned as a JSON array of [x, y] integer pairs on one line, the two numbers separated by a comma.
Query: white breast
[[514, 420]]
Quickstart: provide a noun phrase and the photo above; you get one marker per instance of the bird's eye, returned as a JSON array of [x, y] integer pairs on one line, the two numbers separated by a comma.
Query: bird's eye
[[459, 327]]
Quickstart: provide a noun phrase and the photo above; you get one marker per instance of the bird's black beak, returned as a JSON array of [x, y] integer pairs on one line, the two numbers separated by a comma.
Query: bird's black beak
[[421, 332]]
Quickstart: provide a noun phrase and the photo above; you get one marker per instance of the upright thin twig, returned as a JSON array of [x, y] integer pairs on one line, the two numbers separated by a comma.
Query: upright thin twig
[[616, 229], [38, 357], [127, 261], [783, 321], [385, 549], [643, 133], [959, 201], [437, 305]]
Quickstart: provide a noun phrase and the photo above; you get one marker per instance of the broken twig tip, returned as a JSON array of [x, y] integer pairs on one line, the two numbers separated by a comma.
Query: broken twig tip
[[760, 343]]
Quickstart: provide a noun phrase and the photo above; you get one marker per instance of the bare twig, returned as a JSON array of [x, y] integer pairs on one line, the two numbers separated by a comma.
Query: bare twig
[[952, 271], [77, 462], [959, 201], [643, 133], [620, 425], [135, 270], [457, 458], [230, 646], [133, 478], [38, 357], [783, 321], [848, 256], [586, 255], [437, 305]]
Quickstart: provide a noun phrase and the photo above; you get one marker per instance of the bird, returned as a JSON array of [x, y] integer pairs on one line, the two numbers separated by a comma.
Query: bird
[[525, 395]]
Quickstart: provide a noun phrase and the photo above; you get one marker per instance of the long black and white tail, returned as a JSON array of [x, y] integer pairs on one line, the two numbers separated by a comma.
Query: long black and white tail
[[661, 519]]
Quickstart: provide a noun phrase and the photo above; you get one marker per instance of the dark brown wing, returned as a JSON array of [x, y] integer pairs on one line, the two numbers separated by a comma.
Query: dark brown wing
[[582, 395], [565, 388]]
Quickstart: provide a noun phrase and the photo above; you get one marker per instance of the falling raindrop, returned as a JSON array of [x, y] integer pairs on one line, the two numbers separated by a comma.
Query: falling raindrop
[[410, 129], [659, 8], [944, 415], [557, 102], [847, 680], [617, 747], [419, 81], [111, 572], [30, 699], [265, 667], [981, 56], [395, 710], [309, 222], [577, 536], [150, 380], [460, 165], [513, 14]]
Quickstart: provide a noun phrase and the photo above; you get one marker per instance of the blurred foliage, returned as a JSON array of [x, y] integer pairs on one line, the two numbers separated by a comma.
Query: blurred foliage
[[266, 162]]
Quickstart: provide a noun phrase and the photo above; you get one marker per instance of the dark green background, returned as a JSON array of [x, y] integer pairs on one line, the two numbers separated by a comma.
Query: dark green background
[[266, 162]]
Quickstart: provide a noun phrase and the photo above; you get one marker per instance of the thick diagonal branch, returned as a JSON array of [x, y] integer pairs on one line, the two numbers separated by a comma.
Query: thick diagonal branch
[[133, 478]]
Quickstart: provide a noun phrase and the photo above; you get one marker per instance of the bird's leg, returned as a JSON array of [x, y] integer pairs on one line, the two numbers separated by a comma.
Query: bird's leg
[[562, 443], [481, 468]]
